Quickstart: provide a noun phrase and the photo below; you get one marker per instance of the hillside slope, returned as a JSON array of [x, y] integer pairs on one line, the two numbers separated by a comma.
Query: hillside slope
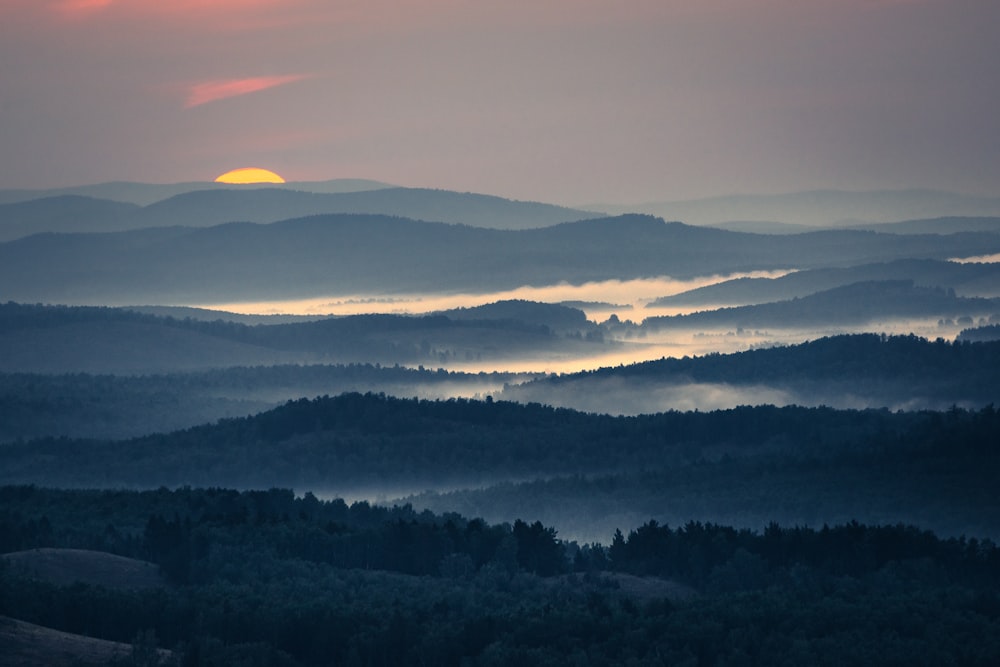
[[357, 254]]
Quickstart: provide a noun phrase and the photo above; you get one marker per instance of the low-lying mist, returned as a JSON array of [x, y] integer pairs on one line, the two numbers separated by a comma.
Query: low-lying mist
[[978, 259], [599, 300], [637, 344], [618, 396]]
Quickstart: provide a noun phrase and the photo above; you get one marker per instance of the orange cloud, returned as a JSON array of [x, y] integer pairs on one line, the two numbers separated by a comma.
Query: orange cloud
[[211, 91]]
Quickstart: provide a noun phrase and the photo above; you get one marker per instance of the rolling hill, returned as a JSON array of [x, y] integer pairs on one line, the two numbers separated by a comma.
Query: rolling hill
[[965, 279], [143, 194], [215, 206], [861, 370], [50, 339], [63, 213], [846, 371], [748, 465], [818, 208], [854, 304], [63, 567], [357, 254], [940, 225], [30, 645]]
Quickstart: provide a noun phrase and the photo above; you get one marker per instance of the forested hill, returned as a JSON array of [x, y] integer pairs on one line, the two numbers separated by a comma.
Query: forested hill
[[212, 207], [371, 441], [990, 332], [352, 254], [63, 213], [822, 207], [83, 405], [144, 194], [271, 578], [942, 225], [871, 370], [966, 279], [554, 316], [861, 358], [864, 369], [854, 304], [218, 205], [56, 339]]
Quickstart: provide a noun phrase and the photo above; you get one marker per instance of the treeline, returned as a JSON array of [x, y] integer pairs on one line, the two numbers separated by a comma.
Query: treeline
[[356, 253], [104, 406], [855, 303], [935, 476], [354, 436], [268, 578], [989, 332], [178, 529], [857, 358], [378, 439], [331, 332], [962, 278], [748, 464], [872, 370], [59, 339], [885, 370], [726, 559]]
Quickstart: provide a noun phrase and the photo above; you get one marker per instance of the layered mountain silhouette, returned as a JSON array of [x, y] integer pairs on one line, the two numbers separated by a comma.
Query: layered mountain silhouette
[[214, 206], [64, 213], [965, 279], [143, 194], [939, 225], [817, 208], [848, 305], [350, 254], [62, 339], [942, 225]]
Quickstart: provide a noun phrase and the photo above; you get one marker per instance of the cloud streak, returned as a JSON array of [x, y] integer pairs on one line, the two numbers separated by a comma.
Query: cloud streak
[[569, 101], [220, 89]]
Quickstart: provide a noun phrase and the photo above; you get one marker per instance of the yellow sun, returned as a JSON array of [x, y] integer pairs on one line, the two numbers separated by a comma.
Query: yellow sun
[[250, 175]]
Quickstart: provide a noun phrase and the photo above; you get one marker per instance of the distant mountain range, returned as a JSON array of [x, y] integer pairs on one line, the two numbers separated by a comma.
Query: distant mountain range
[[944, 225], [51, 339], [143, 194], [965, 279], [941, 225], [855, 304], [868, 370], [352, 254], [64, 213], [939, 212], [860, 370], [816, 208], [215, 206]]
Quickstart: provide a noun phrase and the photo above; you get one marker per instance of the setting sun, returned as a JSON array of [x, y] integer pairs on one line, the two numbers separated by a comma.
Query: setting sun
[[249, 175]]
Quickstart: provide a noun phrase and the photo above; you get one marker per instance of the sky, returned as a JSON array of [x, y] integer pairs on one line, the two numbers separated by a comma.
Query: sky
[[566, 101]]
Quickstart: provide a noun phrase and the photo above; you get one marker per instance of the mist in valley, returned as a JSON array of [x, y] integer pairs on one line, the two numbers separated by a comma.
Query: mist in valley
[[476, 334], [598, 299]]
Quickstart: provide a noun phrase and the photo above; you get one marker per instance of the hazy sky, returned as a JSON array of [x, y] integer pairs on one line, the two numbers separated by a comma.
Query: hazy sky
[[570, 101]]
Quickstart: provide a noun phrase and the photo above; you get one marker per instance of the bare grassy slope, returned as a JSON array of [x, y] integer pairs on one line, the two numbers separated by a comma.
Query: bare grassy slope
[[29, 645], [66, 566]]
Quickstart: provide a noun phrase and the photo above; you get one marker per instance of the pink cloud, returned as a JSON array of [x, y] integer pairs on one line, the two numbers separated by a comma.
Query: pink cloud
[[211, 91]]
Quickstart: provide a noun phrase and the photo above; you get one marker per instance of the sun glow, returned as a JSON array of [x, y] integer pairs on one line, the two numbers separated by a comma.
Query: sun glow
[[249, 175]]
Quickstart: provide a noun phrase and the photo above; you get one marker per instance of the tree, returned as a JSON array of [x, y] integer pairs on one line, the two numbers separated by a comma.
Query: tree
[[538, 550]]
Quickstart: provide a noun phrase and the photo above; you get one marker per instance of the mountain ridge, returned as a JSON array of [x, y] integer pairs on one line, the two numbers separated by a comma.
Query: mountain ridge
[[206, 207], [818, 208], [354, 254]]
